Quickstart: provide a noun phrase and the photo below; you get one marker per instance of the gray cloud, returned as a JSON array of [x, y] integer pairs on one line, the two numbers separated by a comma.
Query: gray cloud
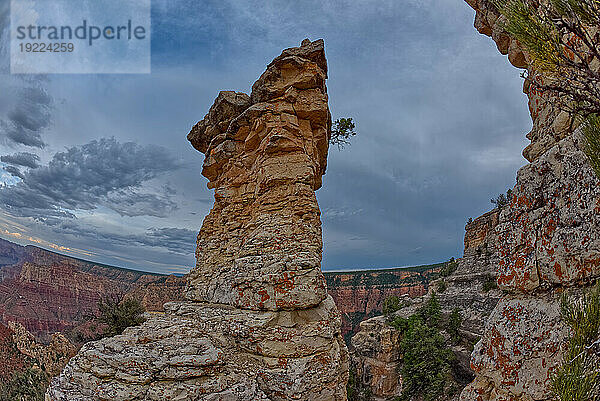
[[30, 115], [131, 203], [23, 159], [4, 35], [14, 171], [102, 172], [31, 106], [176, 240], [440, 113]]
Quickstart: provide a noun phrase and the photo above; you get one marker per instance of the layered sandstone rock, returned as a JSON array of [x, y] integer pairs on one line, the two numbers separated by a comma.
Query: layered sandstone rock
[[11, 359], [260, 246], [48, 292], [470, 287], [550, 125], [547, 242], [52, 358], [258, 324], [376, 357]]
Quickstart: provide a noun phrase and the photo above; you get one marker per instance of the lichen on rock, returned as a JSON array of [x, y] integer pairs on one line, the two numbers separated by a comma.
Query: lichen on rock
[[547, 242]]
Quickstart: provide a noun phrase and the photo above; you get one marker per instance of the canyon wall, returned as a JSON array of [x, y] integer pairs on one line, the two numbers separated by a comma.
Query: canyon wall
[[258, 323], [359, 295], [52, 293], [26, 365], [548, 241], [47, 292], [375, 349]]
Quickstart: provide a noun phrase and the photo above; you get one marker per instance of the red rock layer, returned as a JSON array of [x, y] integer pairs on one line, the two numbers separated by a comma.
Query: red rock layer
[[49, 292]]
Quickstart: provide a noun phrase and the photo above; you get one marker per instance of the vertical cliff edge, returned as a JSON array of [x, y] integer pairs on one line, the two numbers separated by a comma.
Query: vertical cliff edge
[[548, 241]]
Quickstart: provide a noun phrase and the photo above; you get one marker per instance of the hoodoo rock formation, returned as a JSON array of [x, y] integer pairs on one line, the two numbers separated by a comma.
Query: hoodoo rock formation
[[258, 323], [548, 242]]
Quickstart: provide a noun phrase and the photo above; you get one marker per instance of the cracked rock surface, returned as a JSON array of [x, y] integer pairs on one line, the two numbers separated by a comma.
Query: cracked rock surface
[[547, 242]]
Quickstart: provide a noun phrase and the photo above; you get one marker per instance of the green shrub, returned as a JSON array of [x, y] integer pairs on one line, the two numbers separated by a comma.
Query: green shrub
[[29, 385], [502, 200], [431, 312], [390, 305], [426, 361], [355, 389], [442, 286], [393, 304], [449, 268], [578, 378], [342, 130], [118, 314], [490, 283]]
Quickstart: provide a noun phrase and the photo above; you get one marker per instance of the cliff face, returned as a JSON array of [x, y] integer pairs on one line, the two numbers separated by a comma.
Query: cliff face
[[25, 364], [49, 292], [547, 241], [52, 358], [258, 324], [375, 354]]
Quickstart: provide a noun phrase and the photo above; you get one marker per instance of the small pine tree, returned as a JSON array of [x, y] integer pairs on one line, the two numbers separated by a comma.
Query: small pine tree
[[356, 389], [390, 305], [426, 366], [502, 200], [431, 312], [454, 322], [449, 268], [341, 132]]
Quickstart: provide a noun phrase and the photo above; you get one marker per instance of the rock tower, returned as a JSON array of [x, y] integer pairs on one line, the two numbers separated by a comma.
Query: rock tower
[[258, 323]]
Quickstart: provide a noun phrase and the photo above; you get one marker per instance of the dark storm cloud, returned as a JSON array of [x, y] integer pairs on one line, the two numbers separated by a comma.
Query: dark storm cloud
[[23, 159], [14, 171], [440, 115], [177, 240], [102, 172], [30, 115]]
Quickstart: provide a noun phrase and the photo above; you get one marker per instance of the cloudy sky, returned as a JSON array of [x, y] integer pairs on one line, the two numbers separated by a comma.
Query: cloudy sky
[[98, 166]]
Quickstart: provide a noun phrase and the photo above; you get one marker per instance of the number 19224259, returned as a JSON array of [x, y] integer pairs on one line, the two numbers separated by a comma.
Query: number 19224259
[[46, 47]]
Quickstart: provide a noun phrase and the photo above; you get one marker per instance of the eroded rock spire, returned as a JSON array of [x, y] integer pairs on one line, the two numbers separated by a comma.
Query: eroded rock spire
[[258, 324], [260, 246]]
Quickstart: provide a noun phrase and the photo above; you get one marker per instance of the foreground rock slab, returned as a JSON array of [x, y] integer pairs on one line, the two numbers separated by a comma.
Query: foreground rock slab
[[213, 352], [258, 324]]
